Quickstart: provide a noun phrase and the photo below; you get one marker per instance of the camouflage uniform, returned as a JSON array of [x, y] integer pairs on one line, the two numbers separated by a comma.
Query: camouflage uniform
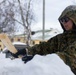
[[63, 44]]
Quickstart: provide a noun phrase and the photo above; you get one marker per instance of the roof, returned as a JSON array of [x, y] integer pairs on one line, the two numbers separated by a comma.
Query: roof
[[48, 34]]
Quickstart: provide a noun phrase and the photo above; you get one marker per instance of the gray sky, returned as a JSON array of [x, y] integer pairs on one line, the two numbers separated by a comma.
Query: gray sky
[[53, 9]]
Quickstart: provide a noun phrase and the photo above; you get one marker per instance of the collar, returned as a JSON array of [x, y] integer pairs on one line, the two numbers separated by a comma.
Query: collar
[[70, 31]]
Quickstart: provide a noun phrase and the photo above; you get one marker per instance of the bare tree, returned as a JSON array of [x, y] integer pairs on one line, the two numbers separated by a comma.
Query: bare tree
[[13, 12], [6, 17], [27, 19]]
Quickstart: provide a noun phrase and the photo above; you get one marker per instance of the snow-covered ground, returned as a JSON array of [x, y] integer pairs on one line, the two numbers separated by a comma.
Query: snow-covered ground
[[40, 65]]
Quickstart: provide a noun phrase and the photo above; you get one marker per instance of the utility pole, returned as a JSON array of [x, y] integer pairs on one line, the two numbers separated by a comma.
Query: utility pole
[[43, 36]]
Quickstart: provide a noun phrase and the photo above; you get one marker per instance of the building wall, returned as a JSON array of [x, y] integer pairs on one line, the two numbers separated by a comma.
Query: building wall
[[18, 39]]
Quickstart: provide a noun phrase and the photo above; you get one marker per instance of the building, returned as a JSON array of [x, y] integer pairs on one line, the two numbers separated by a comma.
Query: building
[[49, 33], [35, 39]]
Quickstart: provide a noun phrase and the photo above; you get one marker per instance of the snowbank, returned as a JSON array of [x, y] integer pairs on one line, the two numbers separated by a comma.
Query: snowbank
[[40, 65]]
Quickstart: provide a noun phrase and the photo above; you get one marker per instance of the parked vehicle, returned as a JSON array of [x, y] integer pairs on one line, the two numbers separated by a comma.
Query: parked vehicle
[[21, 47]]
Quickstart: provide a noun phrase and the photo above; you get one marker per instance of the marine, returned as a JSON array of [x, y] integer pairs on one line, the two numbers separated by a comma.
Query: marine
[[64, 44]]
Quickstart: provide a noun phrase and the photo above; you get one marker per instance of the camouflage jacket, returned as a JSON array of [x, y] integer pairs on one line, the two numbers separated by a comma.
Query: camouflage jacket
[[63, 44]]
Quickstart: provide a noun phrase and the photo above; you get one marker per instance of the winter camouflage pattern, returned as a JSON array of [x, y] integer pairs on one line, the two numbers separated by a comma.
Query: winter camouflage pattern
[[63, 44]]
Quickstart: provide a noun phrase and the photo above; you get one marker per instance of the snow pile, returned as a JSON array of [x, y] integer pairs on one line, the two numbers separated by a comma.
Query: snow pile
[[40, 65]]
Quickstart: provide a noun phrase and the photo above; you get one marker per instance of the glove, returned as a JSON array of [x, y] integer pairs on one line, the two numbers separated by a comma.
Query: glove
[[27, 58]]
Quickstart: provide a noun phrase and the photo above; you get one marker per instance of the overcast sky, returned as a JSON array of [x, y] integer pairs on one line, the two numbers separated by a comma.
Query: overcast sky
[[53, 9]]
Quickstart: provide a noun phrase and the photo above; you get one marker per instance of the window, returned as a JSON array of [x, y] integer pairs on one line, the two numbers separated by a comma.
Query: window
[[18, 39]]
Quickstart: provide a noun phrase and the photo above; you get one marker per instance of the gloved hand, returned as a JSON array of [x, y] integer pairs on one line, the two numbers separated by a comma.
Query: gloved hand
[[20, 52], [27, 58]]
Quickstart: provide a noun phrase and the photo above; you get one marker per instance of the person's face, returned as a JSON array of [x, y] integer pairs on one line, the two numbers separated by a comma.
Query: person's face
[[67, 24]]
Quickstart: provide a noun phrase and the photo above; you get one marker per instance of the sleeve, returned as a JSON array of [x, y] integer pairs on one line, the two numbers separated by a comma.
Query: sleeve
[[44, 48]]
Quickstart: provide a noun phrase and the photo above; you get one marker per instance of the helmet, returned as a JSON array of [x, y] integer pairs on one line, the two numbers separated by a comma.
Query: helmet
[[70, 12]]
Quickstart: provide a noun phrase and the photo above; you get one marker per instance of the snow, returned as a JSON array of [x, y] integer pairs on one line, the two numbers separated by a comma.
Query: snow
[[18, 43], [50, 64], [49, 33]]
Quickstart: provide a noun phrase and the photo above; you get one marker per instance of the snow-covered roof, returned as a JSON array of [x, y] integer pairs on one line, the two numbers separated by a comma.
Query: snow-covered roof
[[18, 43], [48, 34]]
